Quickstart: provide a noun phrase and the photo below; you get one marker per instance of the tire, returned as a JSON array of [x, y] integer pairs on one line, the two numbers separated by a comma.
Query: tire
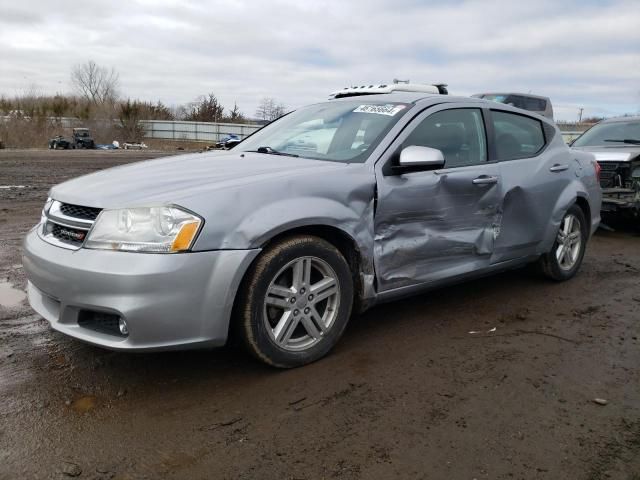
[[565, 257], [279, 320]]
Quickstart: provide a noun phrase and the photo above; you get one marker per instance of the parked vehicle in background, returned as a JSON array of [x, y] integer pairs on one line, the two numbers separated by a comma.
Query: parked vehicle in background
[[526, 101], [59, 142], [616, 145], [82, 138], [328, 210], [134, 146], [228, 141]]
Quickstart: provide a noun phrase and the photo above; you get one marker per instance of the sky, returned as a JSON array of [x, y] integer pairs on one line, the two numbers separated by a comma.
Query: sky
[[580, 53]]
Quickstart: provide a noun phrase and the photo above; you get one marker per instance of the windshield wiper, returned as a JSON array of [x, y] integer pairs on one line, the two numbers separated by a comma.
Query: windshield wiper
[[626, 140], [271, 151]]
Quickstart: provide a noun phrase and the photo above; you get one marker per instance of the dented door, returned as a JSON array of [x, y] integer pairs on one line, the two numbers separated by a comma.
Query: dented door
[[433, 225], [534, 170]]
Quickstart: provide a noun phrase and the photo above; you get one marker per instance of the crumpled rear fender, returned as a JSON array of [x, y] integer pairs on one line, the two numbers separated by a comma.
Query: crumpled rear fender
[[568, 197]]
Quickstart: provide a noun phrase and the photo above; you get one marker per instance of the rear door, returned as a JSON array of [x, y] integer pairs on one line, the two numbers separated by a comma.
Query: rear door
[[534, 172], [432, 225]]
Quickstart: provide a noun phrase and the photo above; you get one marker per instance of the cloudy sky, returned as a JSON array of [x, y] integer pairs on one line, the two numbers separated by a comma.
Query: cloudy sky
[[581, 53]]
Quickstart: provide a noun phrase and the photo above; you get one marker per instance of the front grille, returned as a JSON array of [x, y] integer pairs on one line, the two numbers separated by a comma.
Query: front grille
[[614, 174], [72, 236], [100, 322], [608, 166], [76, 211], [66, 225]]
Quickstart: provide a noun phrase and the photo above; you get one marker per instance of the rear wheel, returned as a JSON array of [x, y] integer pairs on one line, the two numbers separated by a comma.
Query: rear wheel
[[565, 257], [295, 302]]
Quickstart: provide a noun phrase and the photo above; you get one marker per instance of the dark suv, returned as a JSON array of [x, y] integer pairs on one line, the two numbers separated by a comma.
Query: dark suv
[[82, 138]]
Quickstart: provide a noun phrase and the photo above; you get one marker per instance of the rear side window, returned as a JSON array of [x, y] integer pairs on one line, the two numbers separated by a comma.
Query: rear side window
[[458, 133], [517, 136]]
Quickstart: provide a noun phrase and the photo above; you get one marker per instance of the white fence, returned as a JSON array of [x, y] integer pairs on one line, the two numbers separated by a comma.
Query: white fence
[[167, 129], [195, 131]]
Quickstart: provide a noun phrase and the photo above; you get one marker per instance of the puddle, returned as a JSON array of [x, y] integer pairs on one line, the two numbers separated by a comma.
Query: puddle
[[10, 296]]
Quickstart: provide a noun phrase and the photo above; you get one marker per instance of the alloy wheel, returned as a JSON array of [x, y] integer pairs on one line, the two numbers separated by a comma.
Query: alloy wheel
[[301, 303], [569, 242]]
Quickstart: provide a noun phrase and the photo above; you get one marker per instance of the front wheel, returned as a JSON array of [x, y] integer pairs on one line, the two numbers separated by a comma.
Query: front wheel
[[295, 302], [565, 257]]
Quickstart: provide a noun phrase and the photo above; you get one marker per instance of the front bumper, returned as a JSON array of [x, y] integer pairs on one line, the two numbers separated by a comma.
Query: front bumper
[[169, 301]]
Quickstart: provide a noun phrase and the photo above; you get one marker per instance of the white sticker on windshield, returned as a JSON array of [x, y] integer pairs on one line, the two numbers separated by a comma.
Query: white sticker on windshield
[[388, 109]]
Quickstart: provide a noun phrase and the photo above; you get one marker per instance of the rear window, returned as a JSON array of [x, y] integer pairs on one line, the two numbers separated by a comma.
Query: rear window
[[517, 136], [519, 101]]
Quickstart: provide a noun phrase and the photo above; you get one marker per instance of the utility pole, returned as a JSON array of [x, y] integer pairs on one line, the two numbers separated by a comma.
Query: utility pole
[[580, 115]]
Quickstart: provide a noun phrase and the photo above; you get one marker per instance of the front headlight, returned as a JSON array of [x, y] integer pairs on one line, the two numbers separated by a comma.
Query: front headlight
[[152, 229]]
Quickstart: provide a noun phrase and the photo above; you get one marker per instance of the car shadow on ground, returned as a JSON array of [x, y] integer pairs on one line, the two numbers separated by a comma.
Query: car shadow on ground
[[480, 304], [465, 303]]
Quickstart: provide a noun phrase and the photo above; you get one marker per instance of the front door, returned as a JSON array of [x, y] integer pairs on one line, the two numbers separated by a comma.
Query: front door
[[432, 225]]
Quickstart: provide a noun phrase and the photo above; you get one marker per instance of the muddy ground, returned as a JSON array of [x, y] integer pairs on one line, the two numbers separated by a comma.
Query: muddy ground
[[408, 392]]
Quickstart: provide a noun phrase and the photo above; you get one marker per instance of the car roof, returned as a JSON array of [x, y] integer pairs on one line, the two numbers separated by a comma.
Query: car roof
[[427, 99], [634, 118], [409, 97]]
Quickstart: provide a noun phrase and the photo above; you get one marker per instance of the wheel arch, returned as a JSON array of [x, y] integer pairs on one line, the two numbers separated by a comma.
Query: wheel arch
[[583, 203], [573, 194], [337, 237]]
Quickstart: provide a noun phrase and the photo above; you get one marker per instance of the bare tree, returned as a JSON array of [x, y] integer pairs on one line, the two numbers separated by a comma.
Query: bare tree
[[269, 109], [97, 84], [130, 115]]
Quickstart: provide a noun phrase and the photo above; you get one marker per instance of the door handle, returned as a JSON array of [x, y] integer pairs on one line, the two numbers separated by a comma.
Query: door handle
[[485, 180], [559, 168]]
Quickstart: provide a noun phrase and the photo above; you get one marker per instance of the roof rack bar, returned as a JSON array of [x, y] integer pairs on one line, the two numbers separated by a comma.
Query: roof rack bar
[[396, 86]]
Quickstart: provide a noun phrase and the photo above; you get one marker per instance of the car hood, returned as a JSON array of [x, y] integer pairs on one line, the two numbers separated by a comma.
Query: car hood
[[615, 153], [176, 179]]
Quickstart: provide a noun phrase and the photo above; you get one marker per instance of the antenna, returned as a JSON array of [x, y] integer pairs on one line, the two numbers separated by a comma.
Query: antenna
[[396, 81]]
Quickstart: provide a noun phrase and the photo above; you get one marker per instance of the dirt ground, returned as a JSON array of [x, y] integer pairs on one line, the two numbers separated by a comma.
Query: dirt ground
[[408, 393]]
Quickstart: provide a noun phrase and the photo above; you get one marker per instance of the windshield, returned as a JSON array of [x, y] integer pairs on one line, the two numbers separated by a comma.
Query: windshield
[[610, 135], [339, 131]]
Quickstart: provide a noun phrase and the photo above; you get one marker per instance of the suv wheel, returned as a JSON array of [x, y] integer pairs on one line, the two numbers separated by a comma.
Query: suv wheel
[[565, 257], [295, 302]]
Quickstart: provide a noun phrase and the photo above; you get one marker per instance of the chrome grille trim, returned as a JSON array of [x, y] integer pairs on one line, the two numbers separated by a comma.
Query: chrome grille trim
[[55, 219]]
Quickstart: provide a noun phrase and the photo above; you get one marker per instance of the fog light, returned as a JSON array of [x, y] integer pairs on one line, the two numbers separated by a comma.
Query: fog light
[[122, 325]]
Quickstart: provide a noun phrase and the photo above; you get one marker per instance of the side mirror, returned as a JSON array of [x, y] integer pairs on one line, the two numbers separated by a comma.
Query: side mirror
[[420, 158]]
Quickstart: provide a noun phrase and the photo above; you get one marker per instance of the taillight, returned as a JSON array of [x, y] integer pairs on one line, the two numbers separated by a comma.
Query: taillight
[[598, 169]]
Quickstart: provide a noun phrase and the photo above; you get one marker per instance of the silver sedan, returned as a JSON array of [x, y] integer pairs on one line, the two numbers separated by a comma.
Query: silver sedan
[[325, 212]]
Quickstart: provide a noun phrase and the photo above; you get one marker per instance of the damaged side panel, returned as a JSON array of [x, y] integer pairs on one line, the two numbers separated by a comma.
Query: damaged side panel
[[433, 225]]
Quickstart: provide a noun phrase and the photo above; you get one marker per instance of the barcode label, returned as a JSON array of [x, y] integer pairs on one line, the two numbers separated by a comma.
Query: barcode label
[[389, 110]]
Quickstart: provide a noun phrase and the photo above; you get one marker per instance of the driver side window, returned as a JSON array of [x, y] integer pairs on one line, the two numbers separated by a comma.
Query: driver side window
[[458, 133]]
